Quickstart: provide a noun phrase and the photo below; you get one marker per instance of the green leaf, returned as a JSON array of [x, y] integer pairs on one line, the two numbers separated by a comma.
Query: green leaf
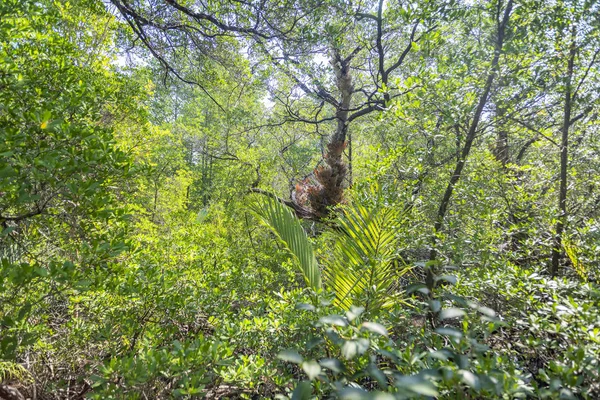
[[470, 379], [364, 256], [378, 375], [417, 384], [353, 348], [287, 227], [290, 355], [443, 354], [303, 391], [417, 287], [24, 311], [382, 396], [375, 328], [435, 305], [486, 311], [451, 279], [453, 312], [337, 320], [354, 393], [354, 312], [449, 332], [40, 271], [305, 307], [7, 172], [312, 343], [333, 364], [311, 368]]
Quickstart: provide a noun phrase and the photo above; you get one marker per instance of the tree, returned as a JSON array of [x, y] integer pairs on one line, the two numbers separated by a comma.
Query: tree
[[578, 41], [295, 42], [502, 21], [62, 175]]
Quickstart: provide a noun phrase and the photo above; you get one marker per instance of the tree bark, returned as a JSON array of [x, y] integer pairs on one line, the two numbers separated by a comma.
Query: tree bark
[[501, 150], [328, 190]]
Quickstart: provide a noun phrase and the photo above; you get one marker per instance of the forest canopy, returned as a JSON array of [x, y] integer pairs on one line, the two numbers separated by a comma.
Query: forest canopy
[[311, 199]]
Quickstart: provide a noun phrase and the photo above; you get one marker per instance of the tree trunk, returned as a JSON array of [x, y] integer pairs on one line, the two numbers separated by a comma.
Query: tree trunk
[[501, 150], [460, 164], [328, 190], [350, 159], [557, 250]]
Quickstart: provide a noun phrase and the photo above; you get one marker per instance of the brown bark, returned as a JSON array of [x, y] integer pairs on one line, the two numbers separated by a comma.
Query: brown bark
[[327, 189]]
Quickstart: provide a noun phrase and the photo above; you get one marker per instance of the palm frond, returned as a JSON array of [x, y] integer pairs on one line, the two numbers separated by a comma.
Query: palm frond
[[282, 221], [12, 371], [363, 268], [572, 251]]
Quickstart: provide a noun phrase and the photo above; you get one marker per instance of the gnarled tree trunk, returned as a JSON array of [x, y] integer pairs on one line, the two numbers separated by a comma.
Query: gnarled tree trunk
[[327, 188]]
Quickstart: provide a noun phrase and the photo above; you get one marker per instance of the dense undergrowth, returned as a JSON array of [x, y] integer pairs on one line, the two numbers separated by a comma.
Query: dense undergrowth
[[206, 307], [146, 253]]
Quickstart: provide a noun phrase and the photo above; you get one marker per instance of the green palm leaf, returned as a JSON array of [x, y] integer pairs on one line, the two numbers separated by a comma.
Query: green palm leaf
[[282, 221], [363, 267]]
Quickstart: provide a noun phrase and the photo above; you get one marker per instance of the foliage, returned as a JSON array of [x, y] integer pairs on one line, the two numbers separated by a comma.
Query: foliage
[[284, 223], [11, 371], [62, 173], [551, 327], [145, 146], [573, 253], [363, 266], [366, 361]]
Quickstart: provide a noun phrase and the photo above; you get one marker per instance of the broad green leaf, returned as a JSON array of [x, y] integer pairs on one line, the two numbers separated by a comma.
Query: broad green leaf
[[281, 220], [311, 368], [435, 305], [449, 332], [305, 307], [417, 384], [486, 311], [290, 355], [448, 313], [337, 320], [469, 378], [332, 364], [446, 278], [354, 348], [354, 393], [354, 312], [303, 391], [375, 328]]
